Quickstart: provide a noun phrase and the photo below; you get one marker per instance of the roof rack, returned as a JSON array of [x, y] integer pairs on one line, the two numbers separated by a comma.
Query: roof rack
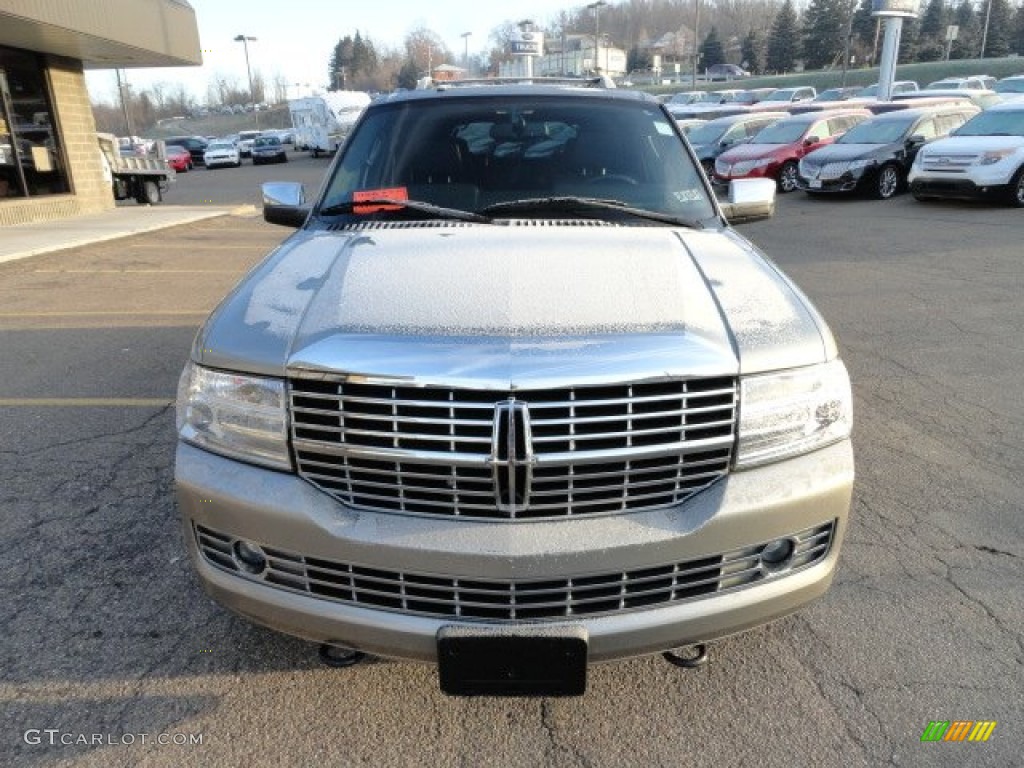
[[598, 81]]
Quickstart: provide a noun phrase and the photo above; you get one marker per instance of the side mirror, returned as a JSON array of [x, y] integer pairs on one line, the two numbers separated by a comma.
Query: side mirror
[[811, 140], [284, 203], [749, 200], [916, 140]]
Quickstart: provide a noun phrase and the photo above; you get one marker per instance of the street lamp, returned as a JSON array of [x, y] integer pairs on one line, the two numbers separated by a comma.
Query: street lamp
[[465, 55], [596, 8], [244, 40]]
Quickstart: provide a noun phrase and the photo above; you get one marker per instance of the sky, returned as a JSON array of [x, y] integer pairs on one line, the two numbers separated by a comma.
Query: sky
[[296, 38]]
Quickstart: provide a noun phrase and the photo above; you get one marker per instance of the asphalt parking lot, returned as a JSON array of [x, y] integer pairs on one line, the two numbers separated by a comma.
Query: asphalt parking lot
[[108, 638]]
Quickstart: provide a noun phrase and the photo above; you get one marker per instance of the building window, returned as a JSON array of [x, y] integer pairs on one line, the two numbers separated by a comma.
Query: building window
[[31, 161]]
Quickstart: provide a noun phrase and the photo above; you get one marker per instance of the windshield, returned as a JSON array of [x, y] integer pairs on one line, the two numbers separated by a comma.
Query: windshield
[[833, 94], [472, 153], [708, 133], [876, 132], [1009, 86], [998, 123], [221, 145], [780, 133], [944, 84], [781, 94]]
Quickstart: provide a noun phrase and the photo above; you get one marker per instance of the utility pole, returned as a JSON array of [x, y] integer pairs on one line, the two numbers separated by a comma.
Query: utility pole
[[596, 8], [244, 40], [465, 53], [121, 87]]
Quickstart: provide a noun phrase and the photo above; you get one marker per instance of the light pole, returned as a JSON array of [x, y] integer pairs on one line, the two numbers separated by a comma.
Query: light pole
[[696, 38], [244, 40], [465, 55], [596, 8], [984, 34]]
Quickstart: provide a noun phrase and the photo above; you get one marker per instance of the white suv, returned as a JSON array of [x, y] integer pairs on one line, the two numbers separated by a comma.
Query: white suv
[[982, 158]]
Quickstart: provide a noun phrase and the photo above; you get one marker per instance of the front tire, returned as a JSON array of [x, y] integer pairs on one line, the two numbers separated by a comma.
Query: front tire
[[887, 184], [1016, 194], [787, 177]]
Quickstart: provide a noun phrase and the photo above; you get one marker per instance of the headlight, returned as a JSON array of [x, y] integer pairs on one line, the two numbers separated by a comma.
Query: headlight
[[858, 165], [993, 157], [793, 412], [763, 162], [234, 414]]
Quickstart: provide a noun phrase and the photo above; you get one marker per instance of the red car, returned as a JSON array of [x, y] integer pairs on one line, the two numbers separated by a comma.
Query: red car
[[775, 151], [179, 158]]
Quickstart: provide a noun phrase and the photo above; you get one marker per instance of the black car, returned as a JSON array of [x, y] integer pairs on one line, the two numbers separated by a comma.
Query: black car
[[715, 136], [875, 156], [196, 146], [726, 72]]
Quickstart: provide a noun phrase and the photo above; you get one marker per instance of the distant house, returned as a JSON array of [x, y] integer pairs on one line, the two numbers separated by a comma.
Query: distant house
[[50, 164], [446, 72]]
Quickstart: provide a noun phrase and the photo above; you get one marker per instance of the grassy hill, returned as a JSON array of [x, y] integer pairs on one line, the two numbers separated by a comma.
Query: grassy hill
[[821, 79], [222, 125]]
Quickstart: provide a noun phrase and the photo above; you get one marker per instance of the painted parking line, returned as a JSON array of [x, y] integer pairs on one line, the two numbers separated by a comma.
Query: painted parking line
[[111, 313], [136, 271], [85, 402]]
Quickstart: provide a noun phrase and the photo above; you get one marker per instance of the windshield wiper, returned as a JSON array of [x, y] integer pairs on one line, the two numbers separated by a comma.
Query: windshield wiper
[[437, 211], [574, 203]]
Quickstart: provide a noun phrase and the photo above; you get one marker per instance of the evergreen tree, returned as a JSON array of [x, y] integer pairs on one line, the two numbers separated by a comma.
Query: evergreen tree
[[711, 50], [752, 51], [934, 21], [364, 56], [997, 42], [407, 75], [909, 40], [969, 37], [824, 27], [339, 67], [1018, 31], [783, 40], [865, 28]]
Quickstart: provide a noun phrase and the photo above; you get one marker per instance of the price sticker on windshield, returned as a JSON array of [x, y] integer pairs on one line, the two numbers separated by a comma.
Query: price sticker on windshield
[[391, 193]]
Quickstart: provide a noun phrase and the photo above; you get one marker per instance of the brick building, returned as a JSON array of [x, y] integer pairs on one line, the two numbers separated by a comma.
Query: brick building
[[49, 160]]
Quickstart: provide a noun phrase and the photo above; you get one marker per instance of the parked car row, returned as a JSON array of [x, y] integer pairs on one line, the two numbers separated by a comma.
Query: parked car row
[[981, 90], [933, 147], [186, 152]]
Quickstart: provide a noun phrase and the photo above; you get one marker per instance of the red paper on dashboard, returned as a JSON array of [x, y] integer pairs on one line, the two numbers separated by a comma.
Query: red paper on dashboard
[[392, 193]]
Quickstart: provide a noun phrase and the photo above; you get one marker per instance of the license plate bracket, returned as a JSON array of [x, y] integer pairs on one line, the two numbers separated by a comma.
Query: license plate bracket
[[513, 661]]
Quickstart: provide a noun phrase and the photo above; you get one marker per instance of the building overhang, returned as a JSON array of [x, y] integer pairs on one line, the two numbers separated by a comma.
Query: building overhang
[[104, 34]]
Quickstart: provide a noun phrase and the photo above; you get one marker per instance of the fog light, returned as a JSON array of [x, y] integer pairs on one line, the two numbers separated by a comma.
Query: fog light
[[250, 557], [777, 555]]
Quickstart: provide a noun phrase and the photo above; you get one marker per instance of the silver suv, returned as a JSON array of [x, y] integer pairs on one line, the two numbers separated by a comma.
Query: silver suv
[[514, 398]]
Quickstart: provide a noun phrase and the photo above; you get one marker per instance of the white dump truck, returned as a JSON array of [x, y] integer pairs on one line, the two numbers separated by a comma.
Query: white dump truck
[[143, 177]]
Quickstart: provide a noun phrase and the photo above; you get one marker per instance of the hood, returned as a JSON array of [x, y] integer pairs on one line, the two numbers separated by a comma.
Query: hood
[[973, 144], [751, 152], [833, 153], [470, 305]]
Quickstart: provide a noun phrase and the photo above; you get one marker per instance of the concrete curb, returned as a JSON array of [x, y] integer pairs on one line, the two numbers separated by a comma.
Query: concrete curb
[[25, 240]]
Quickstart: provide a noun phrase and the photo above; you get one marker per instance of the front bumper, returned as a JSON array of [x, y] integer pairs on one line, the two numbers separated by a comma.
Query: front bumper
[[308, 529], [848, 182], [978, 181]]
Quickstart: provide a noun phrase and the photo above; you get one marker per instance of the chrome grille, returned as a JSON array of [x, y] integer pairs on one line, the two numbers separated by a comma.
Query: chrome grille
[[582, 450], [492, 599], [947, 162], [833, 170]]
